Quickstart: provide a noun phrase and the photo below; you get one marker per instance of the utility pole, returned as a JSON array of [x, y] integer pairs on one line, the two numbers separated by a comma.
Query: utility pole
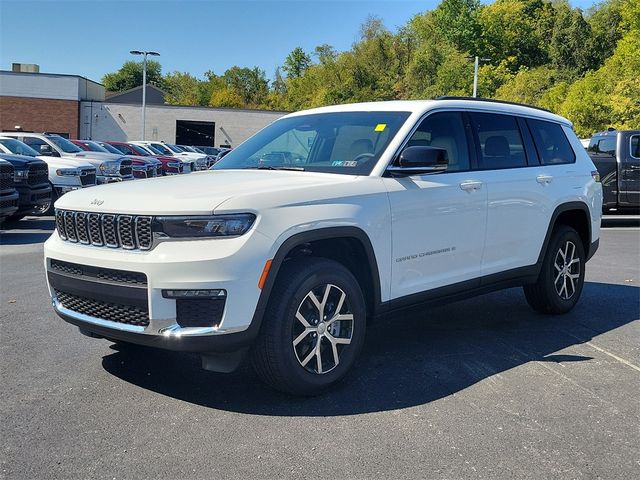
[[144, 83]]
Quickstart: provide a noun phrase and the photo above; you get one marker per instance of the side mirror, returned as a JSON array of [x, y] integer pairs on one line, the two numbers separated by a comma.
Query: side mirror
[[46, 150], [421, 159]]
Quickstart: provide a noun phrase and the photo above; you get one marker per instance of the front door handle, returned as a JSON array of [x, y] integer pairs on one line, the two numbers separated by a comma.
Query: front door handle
[[471, 186], [544, 179]]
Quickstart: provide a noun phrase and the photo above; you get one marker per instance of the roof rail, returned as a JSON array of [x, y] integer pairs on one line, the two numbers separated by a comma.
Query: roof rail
[[491, 100]]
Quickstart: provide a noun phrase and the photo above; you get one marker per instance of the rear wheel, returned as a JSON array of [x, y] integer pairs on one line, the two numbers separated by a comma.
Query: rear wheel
[[561, 278], [313, 329]]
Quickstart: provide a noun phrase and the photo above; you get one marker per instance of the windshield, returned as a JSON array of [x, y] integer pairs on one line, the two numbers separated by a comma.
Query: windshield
[[197, 150], [161, 148], [174, 148], [109, 148], [93, 146], [18, 148], [140, 151], [64, 144], [349, 143]]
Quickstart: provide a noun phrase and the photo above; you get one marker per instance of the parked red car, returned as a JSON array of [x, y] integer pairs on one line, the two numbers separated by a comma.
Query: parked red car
[[170, 165], [143, 167]]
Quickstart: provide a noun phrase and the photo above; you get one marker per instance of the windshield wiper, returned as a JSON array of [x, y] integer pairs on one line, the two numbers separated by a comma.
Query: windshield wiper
[[271, 167]]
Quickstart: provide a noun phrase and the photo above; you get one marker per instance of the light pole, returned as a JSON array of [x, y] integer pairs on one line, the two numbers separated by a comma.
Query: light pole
[[144, 82], [476, 64]]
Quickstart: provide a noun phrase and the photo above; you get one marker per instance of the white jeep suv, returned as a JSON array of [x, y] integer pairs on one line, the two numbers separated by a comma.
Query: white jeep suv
[[325, 220]]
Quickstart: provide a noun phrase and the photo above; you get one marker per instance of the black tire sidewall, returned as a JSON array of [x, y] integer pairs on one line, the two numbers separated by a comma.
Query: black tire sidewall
[[300, 278]]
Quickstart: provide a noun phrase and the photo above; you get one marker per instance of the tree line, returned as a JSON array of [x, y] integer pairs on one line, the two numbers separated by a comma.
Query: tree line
[[582, 65]]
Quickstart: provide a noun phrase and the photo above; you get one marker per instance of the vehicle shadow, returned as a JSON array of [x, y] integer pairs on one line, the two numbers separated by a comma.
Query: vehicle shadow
[[22, 232], [407, 361]]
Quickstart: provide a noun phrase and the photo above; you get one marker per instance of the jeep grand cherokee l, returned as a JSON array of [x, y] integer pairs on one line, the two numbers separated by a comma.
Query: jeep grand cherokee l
[[375, 207]]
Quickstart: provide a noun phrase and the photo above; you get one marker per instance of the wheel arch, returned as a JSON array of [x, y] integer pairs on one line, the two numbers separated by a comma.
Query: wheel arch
[[573, 214], [362, 265]]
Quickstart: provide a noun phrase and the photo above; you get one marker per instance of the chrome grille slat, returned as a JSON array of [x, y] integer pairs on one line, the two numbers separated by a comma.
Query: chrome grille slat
[[62, 231], [95, 232], [109, 232], [125, 232], [129, 232], [81, 228], [70, 226]]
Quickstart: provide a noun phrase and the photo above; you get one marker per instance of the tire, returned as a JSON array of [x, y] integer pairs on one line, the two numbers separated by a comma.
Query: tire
[[561, 278], [285, 355]]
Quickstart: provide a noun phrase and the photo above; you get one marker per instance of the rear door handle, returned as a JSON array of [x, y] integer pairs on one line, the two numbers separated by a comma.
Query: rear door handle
[[544, 179], [471, 186]]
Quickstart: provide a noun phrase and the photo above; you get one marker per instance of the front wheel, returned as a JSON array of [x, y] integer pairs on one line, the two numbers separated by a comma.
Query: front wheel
[[313, 328], [561, 278]]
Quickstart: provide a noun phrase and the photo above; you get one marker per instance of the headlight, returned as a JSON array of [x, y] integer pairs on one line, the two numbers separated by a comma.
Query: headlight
[[206, 226], [20, 175], [68, 172], [110, 168]]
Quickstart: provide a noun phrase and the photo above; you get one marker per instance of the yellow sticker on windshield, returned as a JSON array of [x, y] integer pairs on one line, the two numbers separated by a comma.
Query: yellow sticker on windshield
[[380, 127]]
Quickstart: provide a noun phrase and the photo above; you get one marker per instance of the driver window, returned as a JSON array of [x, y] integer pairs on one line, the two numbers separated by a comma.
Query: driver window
[[444, 130]]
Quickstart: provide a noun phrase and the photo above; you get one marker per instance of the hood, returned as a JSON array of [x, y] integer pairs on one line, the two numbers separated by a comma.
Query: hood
[[197, 193], [18, 160], [65, 162], [97, 157]]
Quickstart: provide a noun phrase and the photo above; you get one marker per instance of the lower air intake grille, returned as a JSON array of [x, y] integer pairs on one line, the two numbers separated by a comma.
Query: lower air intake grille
[[128, 314], [202, 312]]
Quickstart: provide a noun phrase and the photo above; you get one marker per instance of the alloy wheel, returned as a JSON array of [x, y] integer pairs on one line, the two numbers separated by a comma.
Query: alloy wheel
[[323, 328], [566, 270]]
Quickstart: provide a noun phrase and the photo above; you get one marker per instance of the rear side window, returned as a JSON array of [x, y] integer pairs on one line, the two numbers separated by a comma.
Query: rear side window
[[635, 146], [606, 145], [500, 141], [551, 142]]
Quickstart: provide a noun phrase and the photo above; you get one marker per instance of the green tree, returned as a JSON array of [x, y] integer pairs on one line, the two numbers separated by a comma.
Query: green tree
[[183, 89], [570, 44], [296, 63], [528, 85], [457, 22], [250, 84], [130, 76]]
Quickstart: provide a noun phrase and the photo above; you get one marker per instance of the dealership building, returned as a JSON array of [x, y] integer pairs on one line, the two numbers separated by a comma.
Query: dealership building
[[76, 107]]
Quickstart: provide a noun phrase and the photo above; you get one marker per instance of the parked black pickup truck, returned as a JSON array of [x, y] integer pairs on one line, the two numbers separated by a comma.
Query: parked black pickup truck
[[8, 193], [616, 155], [31, 180]]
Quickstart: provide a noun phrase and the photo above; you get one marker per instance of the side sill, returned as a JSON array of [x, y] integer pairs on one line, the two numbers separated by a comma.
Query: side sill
[[516, 277]]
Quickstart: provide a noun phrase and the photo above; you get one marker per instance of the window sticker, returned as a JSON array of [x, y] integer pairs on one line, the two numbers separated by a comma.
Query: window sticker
[[380, 127], [344, 163]]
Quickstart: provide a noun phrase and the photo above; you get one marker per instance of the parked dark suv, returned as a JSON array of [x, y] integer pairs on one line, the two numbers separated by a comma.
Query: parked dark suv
[[8, 193], [31, 179]]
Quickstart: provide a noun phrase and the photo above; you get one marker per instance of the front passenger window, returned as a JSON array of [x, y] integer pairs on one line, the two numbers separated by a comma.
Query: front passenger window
[[444, 130]]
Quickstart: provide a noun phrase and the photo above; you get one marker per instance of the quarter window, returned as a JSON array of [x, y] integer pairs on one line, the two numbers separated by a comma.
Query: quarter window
[[606, 145], [551, 142], [500, 141], [444, 130]]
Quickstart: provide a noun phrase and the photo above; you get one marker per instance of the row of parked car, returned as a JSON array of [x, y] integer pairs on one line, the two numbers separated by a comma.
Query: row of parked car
[[36, 169]]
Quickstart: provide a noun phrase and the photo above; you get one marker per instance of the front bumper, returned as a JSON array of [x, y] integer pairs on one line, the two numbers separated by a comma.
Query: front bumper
[[8, 204], [32, 197], [228, 264]]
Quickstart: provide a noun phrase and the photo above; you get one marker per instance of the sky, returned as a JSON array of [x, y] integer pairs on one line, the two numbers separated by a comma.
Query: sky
[[94, 37]]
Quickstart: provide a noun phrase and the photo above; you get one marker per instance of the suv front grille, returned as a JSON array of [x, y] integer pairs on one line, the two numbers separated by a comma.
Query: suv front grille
[[130, 232], [6, 177], [37, 174], [129, 314]]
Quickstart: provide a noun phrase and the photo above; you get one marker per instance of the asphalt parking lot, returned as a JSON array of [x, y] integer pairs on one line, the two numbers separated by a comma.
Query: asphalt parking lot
[[483, 388]]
